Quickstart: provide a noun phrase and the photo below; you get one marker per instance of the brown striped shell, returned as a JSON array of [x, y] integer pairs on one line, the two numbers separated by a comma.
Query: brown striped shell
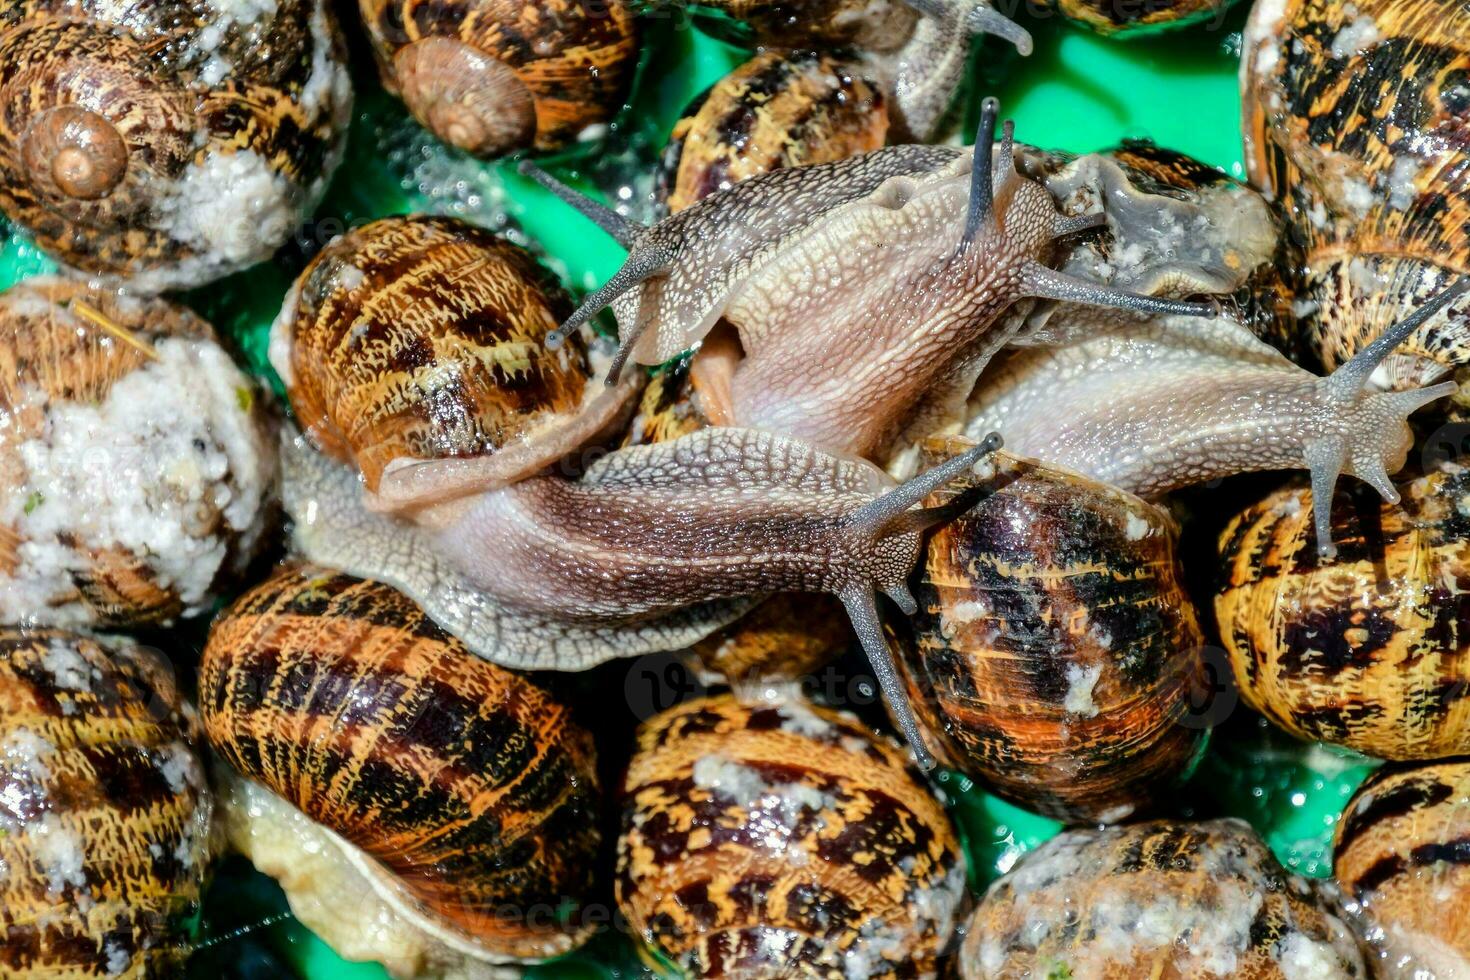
[[423, 339], [779, 109], [1356, 119], [168, 143], [779, 839], [456, 799], [1056, 650], [874, 26], [137, 462], [1402, 855], [1368, 651], [104, 810], [1163, 900], [1136, 17], [495, 76]]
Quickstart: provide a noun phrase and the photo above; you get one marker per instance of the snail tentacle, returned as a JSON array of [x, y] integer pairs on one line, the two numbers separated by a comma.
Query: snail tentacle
[[982, 179], [1075, 225], [623, 230], [862, 609], [641, 266], [1347, 381], [981, 18], [1042, 282], [888, 514]]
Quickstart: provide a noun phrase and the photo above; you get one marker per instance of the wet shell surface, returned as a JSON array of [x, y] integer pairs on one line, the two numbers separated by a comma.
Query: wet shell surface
[[780, 839], [1402, 855], [1368, 651], [1125, 17], [137, 462], [1055, 650], [1161, 899], [494, 76], [373, 756], [168, 143], [104, 811]]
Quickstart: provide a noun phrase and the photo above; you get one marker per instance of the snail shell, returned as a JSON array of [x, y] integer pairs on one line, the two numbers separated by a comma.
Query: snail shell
[[137, 463], [1401, 853], [104, 811], [1055, 648], [779, 109], [169, 143], [1161, 899], [1367, 651], [418, 341], [494, 76], [780, 839], [1354, 116], [1132, 17], [444, 790]]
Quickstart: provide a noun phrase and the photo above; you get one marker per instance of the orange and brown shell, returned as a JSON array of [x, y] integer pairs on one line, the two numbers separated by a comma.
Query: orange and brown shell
[[1135, 17], [1056, 651], [1355, 119], [104, 810], [469, 787], [1369, 651], [779, 109], [1166, 899], [137, 462], [781, 839], [424, 339], [168, 143], [495, 76], [871, 26], [1402, 856]]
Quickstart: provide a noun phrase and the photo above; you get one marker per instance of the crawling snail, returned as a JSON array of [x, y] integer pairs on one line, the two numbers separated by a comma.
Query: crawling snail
[[492, 77], [1055, 648], [1400, 855], [782, 839], [104, 810], [1366, 651], [421, 807], [136, 461], [168, 143], [1374, 175], [1161, 899]]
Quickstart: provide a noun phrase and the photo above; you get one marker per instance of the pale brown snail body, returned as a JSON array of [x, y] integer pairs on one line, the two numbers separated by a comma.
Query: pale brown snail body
[[137, 465], [374, 757], [167, 144]]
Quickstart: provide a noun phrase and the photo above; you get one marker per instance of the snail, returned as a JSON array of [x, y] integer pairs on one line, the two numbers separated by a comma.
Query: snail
[[421, 807], [1400, 855], [779, 109], [1354, 118], [781, 839], [137, 471], [168, 144], [1365, 652], [1124, 18], [1055, 649], [492, 77], [413, 347], [104, 810], [1159, 899]]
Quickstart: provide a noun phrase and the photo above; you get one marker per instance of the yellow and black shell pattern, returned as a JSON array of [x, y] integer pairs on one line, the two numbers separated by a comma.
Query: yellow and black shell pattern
[[104, 810], [1133, 17], [1370, 650], [781, 839]]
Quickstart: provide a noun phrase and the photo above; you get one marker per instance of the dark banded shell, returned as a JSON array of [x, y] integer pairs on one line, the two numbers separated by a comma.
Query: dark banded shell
[[1402, 854], [495, 76], [104, 810], [1056, 650], [779, 109], [778, 839], [471, 788], [1125, 17], [1164, 899], [1371, 650], [874, 25]]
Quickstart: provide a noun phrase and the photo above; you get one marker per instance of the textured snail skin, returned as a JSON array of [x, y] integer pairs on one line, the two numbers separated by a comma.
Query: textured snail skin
[[778, 839], [1402, 854], [104, 811], [468, 785]]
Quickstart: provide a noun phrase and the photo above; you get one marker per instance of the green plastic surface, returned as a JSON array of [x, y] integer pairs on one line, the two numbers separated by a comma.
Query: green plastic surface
[[1077, 92]]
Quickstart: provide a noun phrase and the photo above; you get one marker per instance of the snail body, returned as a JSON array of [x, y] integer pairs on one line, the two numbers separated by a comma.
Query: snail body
[[1156, 899], [139, 390], [172, 145], [492, 77], [374, 756], [779, 838], [104, 810]]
